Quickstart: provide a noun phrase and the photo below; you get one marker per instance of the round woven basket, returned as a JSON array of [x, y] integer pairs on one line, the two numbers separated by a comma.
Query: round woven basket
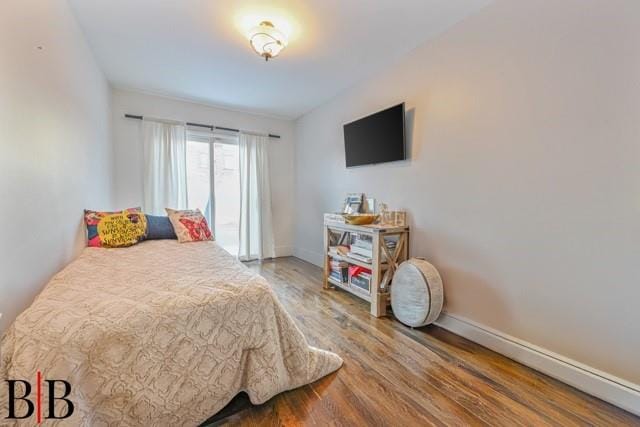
[[416, 293]]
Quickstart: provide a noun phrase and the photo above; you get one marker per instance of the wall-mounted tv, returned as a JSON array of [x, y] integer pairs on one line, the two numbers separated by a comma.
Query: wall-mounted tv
[[377, 138]]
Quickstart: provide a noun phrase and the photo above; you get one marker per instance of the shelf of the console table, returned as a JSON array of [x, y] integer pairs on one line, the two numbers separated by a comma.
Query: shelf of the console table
[[346, 287], [374, 228], [368, 265]]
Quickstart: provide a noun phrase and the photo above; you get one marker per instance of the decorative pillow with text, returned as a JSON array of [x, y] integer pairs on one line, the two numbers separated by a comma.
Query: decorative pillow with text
[[115, 229]]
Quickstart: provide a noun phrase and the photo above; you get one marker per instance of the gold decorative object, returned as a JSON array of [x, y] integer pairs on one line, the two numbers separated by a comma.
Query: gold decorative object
[[360, 219]]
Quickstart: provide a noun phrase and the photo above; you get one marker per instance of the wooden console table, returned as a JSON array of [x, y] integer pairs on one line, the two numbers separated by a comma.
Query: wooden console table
[[383, 262]]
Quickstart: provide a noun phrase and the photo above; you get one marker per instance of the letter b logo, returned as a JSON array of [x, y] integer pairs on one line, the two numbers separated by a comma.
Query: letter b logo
[[15, 395], [52, 399]]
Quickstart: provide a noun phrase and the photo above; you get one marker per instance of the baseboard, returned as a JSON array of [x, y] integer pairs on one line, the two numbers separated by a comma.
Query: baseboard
[[282, 251], [313, 257], [607, 387]]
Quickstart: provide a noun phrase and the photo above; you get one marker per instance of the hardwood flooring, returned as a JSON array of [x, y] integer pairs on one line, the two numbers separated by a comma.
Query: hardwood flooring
[[398, 376]]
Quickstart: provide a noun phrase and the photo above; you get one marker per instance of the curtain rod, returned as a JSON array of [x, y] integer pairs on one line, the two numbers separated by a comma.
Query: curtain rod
[[210, 127]]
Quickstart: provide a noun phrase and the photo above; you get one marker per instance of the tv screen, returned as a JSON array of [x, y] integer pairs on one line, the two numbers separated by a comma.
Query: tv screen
[[377, 138]]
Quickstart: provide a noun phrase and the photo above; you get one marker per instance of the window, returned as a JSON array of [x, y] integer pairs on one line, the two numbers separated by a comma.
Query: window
[[213, 185]]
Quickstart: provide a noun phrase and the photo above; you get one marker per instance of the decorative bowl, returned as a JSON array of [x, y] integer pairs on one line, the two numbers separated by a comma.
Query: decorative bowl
[[360, 219]]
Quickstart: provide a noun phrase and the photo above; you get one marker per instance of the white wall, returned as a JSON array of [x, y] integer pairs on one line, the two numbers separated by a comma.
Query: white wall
[[128, 150], [55, 148], [523, 185]]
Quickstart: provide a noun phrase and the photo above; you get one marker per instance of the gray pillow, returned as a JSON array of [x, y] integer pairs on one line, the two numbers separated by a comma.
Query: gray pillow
[[159, 227]]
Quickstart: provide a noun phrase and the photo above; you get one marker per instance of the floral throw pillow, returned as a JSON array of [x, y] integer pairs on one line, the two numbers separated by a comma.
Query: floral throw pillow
[[189, 225], [115, 229]]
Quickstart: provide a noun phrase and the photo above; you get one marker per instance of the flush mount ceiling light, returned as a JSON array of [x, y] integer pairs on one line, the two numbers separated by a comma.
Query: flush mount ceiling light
[[266, 41]]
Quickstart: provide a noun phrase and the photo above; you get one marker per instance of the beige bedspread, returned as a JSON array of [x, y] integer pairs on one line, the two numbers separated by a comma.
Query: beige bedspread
[[159, 334]]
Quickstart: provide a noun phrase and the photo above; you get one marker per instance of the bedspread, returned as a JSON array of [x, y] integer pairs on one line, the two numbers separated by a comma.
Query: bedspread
[[160, 333]]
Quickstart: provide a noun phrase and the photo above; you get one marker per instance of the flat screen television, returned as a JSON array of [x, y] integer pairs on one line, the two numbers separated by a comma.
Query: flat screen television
[[377, 138]]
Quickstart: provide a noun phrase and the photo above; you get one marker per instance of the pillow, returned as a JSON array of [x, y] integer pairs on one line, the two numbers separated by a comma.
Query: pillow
[[115, 229], [189, 225], [159, 227]]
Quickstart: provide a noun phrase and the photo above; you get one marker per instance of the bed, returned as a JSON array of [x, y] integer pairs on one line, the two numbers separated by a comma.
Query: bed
[[160, 333]]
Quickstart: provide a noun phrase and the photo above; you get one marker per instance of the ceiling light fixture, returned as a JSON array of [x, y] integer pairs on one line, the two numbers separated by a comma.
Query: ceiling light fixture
[[266, 41]]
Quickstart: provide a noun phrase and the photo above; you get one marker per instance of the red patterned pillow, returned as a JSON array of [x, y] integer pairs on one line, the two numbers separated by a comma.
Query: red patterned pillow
[[189, 225]]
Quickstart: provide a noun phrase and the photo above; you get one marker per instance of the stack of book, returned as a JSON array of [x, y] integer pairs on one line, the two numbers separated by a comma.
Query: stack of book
[[391, 245], [339, 271], [362, 247], [360, 278]]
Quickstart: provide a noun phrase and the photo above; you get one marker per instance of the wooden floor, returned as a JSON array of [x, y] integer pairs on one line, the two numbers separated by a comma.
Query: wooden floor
[[396, 376]]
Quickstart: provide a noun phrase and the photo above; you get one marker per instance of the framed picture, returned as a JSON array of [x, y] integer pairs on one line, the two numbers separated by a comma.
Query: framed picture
[[353, 203]]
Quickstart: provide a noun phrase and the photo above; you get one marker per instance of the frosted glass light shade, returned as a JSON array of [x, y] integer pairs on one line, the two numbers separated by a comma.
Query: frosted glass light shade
[[266, 41]]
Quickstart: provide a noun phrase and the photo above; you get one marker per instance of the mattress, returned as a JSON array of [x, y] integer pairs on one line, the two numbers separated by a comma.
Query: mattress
[[160, 333]]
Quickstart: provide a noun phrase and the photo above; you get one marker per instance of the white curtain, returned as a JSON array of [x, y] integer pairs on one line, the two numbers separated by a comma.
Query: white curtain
[[256, 230], [165, 167]]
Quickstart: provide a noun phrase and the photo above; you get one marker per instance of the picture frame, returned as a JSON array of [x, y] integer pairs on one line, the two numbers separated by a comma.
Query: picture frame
[[353, 203]]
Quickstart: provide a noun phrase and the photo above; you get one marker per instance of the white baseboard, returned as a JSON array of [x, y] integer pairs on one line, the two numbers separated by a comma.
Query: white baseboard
[[282, 251], [610, 388]]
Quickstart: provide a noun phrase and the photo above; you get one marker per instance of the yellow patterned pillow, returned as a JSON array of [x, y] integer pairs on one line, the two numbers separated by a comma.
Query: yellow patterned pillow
[[115, 229]]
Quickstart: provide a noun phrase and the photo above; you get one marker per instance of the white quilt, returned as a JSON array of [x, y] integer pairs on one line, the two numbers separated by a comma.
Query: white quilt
[[161, 333]]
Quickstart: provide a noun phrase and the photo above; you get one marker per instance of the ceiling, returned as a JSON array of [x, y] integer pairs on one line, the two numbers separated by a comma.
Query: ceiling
[[198, 49]]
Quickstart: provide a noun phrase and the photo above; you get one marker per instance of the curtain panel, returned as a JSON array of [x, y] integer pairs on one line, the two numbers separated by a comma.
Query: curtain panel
[[165, 167], [256, 228]]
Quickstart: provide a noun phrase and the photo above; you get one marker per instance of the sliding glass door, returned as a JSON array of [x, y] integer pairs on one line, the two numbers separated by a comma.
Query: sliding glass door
[[200, 191], [226, 172], [213, 185]]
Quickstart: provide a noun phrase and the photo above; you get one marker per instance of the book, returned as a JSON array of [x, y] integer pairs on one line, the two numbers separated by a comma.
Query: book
[[362, 245], [339, 276], [368, 253], [355, 270], [390, 243], [359, 257], [368, 244], [334, 217], [334, 264], [361, 283], [362, 240]]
